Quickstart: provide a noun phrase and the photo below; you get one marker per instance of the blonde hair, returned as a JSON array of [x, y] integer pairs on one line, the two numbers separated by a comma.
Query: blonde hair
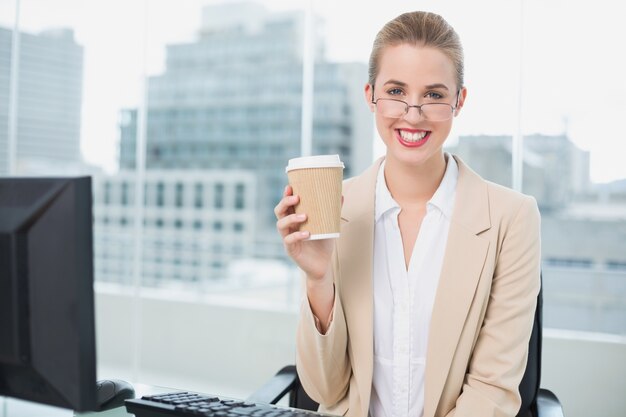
[[420, 29]]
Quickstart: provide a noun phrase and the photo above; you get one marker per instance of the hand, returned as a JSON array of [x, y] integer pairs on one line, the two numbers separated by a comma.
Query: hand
[[312, 256]]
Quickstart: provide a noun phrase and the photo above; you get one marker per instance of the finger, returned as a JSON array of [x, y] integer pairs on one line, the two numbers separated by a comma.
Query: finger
[[286, 224], [286, 192], [284, 205], [296, 237]]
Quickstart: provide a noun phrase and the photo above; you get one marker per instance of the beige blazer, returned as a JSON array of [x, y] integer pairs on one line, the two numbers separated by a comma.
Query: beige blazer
[[482, 316]]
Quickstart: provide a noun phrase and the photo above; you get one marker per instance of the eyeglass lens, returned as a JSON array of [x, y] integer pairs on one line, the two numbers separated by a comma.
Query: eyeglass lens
[[429, 111]]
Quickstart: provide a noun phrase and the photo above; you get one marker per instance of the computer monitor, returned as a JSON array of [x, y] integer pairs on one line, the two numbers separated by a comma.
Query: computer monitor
[[47, 337]]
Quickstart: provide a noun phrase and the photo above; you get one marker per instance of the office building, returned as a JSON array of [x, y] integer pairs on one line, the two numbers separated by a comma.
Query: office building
[[583, 227], [232, 99], [49, 99], [194, 224], [555, 170]]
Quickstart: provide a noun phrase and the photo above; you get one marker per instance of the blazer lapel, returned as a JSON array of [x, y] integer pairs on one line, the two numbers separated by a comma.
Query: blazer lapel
[[462, 265], [355, 253]]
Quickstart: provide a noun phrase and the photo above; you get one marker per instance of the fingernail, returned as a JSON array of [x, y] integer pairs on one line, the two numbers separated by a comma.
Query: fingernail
[[301, 216], [304, 234]]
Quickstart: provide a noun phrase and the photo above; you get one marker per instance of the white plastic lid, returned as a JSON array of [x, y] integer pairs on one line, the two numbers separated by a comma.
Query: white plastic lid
[[317, 161]]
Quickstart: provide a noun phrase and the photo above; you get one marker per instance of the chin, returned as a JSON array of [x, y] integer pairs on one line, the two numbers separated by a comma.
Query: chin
[[414, 156]]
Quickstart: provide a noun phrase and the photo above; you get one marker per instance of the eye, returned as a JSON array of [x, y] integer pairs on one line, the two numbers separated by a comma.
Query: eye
[[434, 95], [395, 91]]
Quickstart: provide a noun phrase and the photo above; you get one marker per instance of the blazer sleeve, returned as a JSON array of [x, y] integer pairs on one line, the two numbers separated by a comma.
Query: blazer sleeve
[[498, 362], [322, 360]]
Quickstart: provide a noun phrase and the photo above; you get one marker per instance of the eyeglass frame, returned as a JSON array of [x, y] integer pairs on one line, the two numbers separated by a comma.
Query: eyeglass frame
[[417, 106]]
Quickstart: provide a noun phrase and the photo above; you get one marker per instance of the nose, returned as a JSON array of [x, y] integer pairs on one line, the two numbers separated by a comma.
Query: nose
[[413, 115]]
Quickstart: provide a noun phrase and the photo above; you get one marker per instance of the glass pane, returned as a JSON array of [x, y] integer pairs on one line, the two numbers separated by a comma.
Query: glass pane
[[482, 134], [6, 30], [50, 74], [224, 108], [572, 160], [76, 75], [489, 119], [224, 93]]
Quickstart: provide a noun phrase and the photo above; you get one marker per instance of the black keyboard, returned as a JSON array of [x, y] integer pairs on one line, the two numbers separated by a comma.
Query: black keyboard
[[187, 404]]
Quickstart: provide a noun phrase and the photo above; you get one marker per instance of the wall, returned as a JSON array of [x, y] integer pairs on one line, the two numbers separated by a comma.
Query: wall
[[586, 371], [231, 350], [193, 345]]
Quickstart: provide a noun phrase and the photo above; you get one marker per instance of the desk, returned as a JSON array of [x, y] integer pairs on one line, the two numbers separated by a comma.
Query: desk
[[13, 407]]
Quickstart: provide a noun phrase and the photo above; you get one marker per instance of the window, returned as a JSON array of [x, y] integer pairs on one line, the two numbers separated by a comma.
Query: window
[[570, 163], [107, 193], [219, 196], [239, 196], [205, 75], [569, 262], [124, 193], [616, 265], [179, 194], [160, 194], [199, 195]]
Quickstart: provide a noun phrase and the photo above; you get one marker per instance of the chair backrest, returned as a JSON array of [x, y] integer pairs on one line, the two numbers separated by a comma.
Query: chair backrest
[[528, 387], [298, 398]]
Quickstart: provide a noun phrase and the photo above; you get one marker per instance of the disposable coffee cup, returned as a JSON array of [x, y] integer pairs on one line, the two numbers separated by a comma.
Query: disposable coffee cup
[[317, 180]]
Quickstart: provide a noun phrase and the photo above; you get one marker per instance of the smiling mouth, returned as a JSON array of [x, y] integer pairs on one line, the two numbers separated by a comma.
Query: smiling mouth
[[412, 139]]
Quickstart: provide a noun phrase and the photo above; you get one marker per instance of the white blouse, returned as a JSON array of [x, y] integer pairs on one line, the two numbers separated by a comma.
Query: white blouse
[[403, 300]]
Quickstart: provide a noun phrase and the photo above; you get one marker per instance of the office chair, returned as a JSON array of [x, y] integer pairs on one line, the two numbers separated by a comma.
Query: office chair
[[536, 401]]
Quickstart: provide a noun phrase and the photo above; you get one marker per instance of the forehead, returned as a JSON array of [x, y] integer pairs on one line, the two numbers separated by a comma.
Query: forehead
[[415, 66]]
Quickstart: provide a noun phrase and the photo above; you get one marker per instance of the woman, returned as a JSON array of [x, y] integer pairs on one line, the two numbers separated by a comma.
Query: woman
[[425, 304]]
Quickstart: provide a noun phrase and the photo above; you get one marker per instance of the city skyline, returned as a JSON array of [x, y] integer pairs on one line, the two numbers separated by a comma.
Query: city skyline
[[549, 105], [187, 236]]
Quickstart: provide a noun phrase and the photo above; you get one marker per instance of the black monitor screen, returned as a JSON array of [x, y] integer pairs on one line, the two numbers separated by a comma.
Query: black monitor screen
[[47, 338]]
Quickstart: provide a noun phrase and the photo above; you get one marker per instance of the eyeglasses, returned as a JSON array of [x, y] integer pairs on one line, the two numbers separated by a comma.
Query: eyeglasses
[[434, 112]]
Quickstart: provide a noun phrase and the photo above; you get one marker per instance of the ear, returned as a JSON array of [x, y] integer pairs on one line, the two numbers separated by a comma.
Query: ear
[[368, 97], [462, 97]]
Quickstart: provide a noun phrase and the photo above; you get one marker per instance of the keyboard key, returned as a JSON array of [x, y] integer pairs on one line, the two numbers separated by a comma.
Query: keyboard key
[[275, 413], [208, 399], [233, 403], [247, 411], [219, 407], [185, 404]]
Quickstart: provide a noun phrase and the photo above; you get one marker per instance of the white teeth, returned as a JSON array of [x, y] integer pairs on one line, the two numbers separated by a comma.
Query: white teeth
[[412, 137]]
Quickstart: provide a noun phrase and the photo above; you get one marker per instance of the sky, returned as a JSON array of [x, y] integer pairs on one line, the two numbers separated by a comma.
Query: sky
[[572, 61]]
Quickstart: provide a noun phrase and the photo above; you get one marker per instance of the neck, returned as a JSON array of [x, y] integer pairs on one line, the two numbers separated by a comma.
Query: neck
[[413, 186]]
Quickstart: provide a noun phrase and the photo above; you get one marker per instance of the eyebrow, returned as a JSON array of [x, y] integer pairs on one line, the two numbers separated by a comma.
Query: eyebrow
[[396, 82], [427, 87], [437, 85]]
